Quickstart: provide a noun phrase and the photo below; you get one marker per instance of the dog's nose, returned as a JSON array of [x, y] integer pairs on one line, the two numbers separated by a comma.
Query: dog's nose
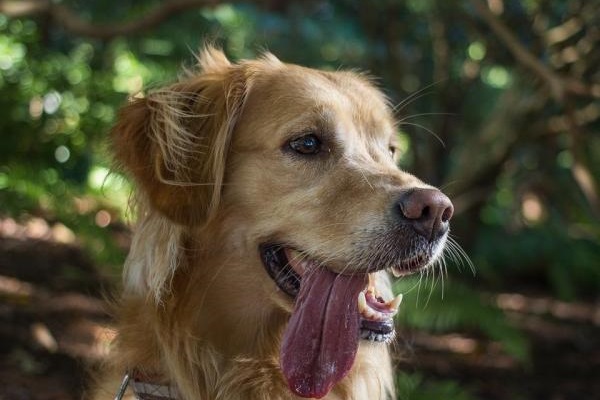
[[427, 210]]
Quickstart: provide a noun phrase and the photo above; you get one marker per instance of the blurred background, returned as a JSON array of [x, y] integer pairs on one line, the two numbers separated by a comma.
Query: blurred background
[[498, 103]]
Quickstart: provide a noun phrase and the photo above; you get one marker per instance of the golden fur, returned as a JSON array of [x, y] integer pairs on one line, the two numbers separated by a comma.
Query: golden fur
[[213, 182]]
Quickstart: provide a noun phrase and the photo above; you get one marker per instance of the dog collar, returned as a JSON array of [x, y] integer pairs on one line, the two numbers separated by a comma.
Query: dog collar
[[145, 389]]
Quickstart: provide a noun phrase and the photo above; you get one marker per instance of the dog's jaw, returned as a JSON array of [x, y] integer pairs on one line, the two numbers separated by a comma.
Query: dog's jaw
[[287, 267], [332, 312]]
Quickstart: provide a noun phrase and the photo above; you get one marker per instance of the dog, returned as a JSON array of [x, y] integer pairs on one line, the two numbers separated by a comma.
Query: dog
[[271, 216]]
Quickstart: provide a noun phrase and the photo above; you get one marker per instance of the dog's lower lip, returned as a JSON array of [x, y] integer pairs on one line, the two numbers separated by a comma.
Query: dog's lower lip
[[410, 266]]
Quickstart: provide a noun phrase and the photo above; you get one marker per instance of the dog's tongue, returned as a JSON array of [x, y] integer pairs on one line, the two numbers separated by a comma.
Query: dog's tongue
[[321, 339]]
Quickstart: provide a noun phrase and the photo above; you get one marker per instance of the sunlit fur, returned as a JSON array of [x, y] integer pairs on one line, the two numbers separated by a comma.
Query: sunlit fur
[[215, 179]]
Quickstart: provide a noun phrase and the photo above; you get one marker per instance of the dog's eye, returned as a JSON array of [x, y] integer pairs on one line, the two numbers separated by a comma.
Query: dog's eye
[[309, 144]]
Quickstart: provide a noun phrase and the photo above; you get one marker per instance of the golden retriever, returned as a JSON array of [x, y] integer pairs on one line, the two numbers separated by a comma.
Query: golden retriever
[[270, 212]]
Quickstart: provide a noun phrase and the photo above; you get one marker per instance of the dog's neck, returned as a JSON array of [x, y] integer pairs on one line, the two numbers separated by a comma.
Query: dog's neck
[[192, 340], [201, 367]]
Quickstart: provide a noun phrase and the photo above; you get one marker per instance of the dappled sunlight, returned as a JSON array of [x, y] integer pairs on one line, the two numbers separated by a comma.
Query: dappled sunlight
[[443, 350], [49, 323], [575, 311], [42, 336], [86, 340], [36, 228], [453, 343], [532, 208], [102, 218], [14, 288]]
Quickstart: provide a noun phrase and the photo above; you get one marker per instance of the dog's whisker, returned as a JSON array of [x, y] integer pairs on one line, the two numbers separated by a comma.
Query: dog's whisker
[[439, 139], [448, 184], [460, 256], [418, 287], [441, 264], [432, 285], [413, 97], [411, 116]]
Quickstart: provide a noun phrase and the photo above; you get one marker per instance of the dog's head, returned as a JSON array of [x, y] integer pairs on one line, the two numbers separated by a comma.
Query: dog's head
[[294, 170]]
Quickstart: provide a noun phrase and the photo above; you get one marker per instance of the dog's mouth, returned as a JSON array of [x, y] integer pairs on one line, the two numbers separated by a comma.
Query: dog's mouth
[[332, 312], [286, 267]]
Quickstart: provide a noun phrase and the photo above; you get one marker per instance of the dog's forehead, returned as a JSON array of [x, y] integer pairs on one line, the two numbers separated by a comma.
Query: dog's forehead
[[293, 96]]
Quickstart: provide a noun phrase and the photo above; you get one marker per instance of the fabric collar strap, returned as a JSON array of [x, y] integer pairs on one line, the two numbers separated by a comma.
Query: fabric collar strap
[[144, 388]]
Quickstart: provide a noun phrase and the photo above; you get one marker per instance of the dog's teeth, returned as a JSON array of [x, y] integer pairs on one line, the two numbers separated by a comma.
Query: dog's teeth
[[394, 304], [362, 303], [396, 272], [366, 311], [371, 285]]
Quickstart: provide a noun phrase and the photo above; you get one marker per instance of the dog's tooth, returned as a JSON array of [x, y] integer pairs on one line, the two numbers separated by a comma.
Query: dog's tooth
[[363, 307], [394, 304], [396, 272], [371, 285], [362, 303], [369, 312]]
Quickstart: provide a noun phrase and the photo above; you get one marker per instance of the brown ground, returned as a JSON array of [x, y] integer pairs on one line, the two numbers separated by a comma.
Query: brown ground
[[54, 326]]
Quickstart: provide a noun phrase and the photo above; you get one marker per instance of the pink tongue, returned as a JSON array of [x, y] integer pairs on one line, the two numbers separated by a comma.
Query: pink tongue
[[321, 339]]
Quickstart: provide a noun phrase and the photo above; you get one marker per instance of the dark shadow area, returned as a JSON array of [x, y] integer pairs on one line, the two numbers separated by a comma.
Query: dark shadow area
[[54, 325]]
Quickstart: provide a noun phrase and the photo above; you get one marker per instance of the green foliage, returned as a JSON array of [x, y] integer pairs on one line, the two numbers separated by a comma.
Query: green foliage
[[567, 260], [414, 387], [34, 192], [453, 306]]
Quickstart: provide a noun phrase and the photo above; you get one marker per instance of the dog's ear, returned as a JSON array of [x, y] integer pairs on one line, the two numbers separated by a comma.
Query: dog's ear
[[174, 142]]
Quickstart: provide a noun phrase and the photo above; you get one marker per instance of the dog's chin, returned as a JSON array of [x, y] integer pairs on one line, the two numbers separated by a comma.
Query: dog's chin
[[286, 266]]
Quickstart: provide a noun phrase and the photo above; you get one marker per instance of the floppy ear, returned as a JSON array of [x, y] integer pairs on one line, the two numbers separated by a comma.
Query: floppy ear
[[174, 142]]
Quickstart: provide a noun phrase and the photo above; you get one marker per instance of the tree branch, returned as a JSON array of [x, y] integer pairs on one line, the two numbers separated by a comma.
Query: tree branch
[[559, 86], [580, 171], [562, 89], [71, 22]]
